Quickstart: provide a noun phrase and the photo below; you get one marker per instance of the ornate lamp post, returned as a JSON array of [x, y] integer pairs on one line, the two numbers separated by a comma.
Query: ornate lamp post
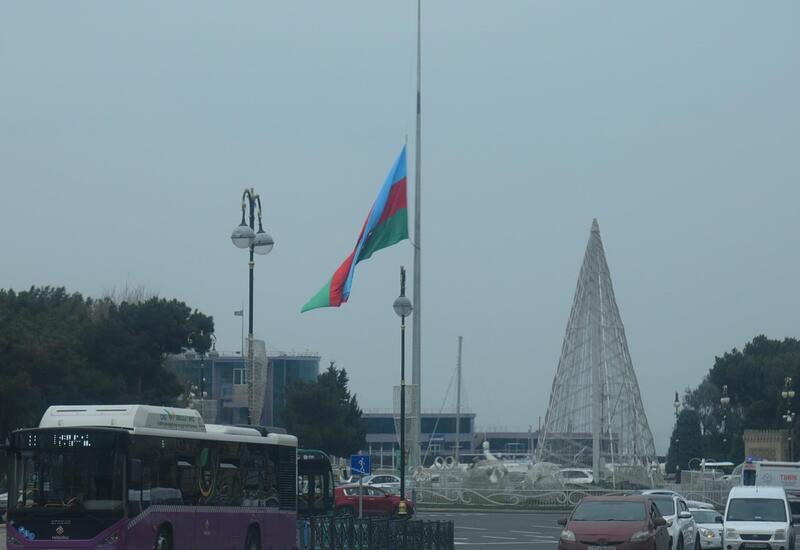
[[403, 308], [724, 401], [200, 342], [245, 236], [788, 394]]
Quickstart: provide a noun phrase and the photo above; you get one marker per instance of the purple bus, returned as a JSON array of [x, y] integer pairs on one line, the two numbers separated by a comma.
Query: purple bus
[[140, 477]]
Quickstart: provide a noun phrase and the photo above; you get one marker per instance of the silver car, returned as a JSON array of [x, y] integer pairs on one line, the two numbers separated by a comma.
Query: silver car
[[680, 522], [709, 527]]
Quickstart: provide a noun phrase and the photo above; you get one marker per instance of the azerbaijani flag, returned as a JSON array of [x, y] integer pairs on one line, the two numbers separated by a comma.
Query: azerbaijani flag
[[386, 225]]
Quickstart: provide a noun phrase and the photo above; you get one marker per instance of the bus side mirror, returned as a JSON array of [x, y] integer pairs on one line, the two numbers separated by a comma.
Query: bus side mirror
[[135, 473], [718, 519]]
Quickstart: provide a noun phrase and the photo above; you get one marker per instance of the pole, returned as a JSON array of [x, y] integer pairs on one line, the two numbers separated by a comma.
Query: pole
[[360, 497], [458, 399], [416, 370], [402, 391], [250, 362], [202, 382], [596, 324]]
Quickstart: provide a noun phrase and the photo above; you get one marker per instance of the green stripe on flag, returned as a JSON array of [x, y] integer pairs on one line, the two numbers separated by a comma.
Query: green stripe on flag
[[392, 231], [320, 299]]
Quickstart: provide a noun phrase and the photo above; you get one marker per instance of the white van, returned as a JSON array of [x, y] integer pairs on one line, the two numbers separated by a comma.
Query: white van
[[758, 518]]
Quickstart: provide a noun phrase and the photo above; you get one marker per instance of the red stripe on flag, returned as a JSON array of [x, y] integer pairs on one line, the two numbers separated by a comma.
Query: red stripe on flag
[[395, 201], [338, 279]]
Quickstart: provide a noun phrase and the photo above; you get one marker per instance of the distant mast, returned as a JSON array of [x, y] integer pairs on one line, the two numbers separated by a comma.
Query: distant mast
[[458, 399], [416, 326]]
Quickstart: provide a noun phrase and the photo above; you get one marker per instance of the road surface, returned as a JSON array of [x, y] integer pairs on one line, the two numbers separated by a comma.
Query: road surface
[[502, 530]]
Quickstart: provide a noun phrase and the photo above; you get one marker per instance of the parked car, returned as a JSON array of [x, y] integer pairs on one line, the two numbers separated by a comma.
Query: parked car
[[758, 517], [579, 476], [3, 506], [632, 522], [709, 527], [699, 505], [680, 523], [376, 502], [384, 481]]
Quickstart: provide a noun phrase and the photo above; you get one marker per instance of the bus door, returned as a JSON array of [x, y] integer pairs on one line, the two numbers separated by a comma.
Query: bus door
[[314, 484]]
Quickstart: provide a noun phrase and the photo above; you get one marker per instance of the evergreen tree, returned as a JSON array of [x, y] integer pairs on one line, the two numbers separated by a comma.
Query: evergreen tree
[[323, 415], [686, 442]]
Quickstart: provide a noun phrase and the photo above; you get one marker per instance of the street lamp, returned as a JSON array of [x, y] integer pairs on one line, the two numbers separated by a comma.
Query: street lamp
[[724, 401], [245, 236], [677, 405], [788, 395], [199, 342], [403, 308]]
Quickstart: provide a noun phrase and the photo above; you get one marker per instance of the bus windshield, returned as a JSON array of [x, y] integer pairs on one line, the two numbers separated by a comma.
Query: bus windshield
[[54, 473]]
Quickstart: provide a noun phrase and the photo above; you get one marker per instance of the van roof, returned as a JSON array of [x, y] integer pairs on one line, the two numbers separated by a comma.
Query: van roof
[[757, 491]]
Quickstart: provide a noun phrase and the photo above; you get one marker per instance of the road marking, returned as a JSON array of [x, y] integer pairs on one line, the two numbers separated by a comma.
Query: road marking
[[472, 528], [500, 538]]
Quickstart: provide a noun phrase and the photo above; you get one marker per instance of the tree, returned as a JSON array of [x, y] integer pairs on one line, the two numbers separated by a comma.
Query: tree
[[686, 442], [755, 377], [62, 348], [324, 415]]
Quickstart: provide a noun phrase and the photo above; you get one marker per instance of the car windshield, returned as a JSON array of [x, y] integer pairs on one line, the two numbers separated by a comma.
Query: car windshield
[[756, 509], [705, 516], [609, 510], [666, 505]]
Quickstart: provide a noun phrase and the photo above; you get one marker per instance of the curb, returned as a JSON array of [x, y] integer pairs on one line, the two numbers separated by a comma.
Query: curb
[[490, 511]]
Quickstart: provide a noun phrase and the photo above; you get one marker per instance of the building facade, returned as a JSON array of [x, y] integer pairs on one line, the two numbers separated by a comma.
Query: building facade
[[438, 437], [225, 376]]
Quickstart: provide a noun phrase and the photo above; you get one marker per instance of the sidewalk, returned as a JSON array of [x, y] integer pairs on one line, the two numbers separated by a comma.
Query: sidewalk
[[3, 536]]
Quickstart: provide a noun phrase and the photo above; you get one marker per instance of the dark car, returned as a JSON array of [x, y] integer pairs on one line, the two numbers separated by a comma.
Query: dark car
[[377, 502], [614, 523]]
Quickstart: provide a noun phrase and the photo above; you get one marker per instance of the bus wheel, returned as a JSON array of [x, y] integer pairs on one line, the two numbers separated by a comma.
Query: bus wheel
[[163, 539], [253, 540]]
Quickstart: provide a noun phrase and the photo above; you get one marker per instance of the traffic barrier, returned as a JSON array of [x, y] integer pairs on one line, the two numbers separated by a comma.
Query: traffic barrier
[[348, 533]]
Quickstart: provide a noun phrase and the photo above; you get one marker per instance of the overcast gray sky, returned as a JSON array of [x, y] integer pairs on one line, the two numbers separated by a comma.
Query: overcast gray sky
[[128, 131]]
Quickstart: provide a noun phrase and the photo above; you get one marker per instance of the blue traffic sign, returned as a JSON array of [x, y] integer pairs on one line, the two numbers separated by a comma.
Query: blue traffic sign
[[360, 465]]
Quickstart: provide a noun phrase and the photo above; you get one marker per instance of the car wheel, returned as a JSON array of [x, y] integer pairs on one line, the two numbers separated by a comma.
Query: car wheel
[[697, 543], [680, 542]]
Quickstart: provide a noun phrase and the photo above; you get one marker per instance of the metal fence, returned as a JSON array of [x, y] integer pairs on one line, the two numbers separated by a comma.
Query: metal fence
[[556, 499], [348, 533]]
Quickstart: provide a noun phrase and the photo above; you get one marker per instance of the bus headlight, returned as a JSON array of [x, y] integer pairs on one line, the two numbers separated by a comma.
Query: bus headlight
[[731, 534], [780, 534]]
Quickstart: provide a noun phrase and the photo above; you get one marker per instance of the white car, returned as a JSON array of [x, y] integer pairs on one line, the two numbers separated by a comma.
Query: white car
[[680, 522], [384, 481], [709, 527], [758, 517], [579, 476]]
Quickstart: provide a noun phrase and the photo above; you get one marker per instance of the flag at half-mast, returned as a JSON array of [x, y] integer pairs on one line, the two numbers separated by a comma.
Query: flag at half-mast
[[386, 225]]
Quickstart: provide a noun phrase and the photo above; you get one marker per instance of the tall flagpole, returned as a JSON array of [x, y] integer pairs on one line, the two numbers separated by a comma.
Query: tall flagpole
[[416, 358]]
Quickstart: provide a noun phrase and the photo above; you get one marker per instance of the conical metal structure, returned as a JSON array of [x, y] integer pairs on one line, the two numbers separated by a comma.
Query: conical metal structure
[[595, 417]]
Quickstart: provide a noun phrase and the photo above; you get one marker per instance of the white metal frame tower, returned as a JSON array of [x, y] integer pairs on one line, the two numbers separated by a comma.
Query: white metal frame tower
[[595, 417]]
